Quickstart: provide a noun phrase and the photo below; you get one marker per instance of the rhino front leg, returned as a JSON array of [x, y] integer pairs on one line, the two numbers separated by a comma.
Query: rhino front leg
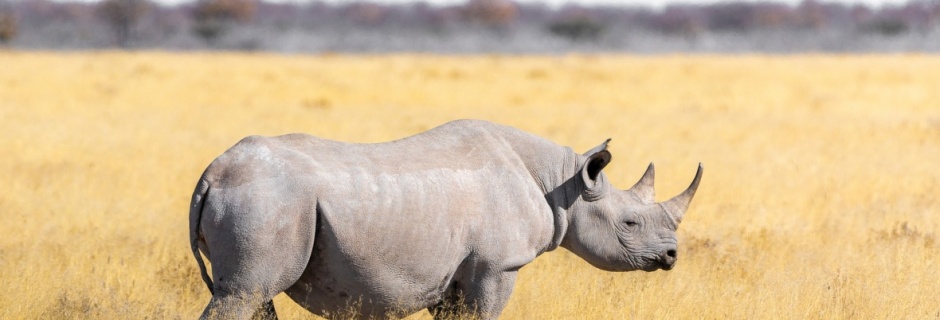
[[487, 296], [238, 307], [266, 312]]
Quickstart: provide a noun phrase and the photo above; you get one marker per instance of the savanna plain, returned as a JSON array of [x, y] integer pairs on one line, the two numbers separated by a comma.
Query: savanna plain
[[820, 198]]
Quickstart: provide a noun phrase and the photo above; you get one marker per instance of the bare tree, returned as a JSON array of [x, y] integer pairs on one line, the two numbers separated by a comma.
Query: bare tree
[[366, 14], [811, 15], [8, 23], [122, 16], [213, 18], [498, 14], [769, 16], [683, 20]]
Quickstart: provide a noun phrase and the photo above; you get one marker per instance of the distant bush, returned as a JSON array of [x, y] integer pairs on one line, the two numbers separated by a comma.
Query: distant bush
[[730, 16], [213, 18], [887, 27], [122, 17], [577, 28]]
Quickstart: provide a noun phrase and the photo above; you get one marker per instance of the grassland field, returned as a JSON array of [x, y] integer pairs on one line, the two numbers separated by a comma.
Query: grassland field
[[820, 199]]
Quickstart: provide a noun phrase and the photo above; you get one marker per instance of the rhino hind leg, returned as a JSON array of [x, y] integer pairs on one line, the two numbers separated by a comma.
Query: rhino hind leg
[[255, 260], [244, 288]]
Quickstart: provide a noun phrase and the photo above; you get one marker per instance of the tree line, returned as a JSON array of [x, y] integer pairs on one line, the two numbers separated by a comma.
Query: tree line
[[143, 23]]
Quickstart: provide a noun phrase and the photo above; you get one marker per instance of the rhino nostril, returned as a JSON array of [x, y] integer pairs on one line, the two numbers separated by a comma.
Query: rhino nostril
[[671, 253]]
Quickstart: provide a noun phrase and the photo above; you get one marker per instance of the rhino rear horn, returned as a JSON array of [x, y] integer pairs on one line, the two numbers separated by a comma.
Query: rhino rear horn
[[677, 206], [643, 190]]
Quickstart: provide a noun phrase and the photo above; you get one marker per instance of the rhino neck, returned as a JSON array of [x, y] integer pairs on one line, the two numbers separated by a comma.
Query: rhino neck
[[561, 192], [554, 169]]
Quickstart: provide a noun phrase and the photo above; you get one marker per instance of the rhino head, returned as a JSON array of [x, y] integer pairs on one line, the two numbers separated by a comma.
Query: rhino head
[[623, 230]]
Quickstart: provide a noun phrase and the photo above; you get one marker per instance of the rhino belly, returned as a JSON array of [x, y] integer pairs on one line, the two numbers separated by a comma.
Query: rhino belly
[[332, 287]]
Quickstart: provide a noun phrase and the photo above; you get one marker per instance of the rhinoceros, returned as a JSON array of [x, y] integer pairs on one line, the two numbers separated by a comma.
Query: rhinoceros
[[442, 220]]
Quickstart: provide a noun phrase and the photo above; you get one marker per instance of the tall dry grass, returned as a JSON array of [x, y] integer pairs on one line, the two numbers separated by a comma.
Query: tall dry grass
[[819, 200]]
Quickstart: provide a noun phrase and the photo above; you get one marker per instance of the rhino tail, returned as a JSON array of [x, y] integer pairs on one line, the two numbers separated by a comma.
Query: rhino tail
[[195, 217]]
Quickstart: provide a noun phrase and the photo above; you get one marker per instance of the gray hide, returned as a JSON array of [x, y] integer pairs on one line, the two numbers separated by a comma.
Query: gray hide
[[441, 220]]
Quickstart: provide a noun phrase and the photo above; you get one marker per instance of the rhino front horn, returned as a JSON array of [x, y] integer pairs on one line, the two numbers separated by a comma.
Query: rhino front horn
[[677, 206]]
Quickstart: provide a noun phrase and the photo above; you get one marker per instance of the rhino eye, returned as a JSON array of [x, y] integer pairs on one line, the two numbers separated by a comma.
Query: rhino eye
[[630, 223]]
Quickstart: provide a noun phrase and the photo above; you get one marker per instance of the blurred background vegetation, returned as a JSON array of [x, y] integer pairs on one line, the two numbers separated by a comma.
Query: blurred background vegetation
[[474, 26], [820, 197]]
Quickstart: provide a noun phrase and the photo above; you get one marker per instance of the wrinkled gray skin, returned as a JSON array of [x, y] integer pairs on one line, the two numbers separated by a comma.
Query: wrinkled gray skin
[[393, 228]]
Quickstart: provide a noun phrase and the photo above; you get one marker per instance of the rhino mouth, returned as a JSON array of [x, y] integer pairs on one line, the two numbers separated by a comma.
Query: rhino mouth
[[658, 264], [666, 266]]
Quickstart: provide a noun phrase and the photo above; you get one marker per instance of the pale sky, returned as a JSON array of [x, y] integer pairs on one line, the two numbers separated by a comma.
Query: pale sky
[[651, 3]]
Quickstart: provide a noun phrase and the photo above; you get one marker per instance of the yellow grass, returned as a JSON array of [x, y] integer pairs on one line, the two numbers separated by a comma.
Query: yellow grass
[[819, 200]]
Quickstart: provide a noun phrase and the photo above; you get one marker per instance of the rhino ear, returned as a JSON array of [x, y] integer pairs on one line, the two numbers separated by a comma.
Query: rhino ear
[[677, 206], [599, 148], [643, 190], [591, 172]]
